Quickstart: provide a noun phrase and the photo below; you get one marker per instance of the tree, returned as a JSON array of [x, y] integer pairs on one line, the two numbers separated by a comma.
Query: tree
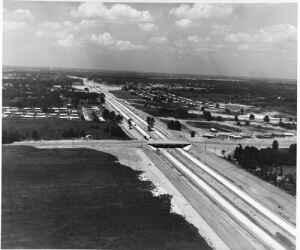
[[227, 111], [251, 117], [150, 121], [293, 149], [217, 105], [207, 115], [266, 118], [236, 118], [102, 98], [176, 125], [275, 145], [105, 114], [94, 116], [247, 123], [112, 115], [193, 133], [281, 124], [119, 118], [238, 153], [4, 136], [202, 109], [35, 135], [242, 111], [130, 123]]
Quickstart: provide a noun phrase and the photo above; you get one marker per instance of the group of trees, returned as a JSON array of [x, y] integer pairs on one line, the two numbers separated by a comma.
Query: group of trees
[[113, 120], [266, 163], [251, 157], [150, 122], [111, 116], [13, 136], [70, 133], [174, 124]]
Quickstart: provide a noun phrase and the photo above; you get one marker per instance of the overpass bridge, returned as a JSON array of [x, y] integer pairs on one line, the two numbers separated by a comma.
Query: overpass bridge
[[169, 144]]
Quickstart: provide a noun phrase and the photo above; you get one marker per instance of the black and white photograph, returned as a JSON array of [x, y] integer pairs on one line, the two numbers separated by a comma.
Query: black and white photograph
[[149, 125]]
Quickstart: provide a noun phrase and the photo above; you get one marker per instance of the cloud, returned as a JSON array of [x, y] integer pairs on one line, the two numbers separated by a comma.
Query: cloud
[[105, 40], [67, 42], [238, 37], [281, 36], [17, 15], [278, 33], [200, 10], [148, 26], [49, 29], [10, 26], [194, 43], [16, 20], [159, 40], [220, 29], [184, 23], [118, 13]]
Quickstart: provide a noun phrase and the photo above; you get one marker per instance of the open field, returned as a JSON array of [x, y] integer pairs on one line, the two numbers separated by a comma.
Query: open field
[[84, 200], [52, 129], [215, 125]]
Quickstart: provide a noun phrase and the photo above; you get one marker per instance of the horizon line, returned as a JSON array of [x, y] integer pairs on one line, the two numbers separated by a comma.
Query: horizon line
[[151, 72]]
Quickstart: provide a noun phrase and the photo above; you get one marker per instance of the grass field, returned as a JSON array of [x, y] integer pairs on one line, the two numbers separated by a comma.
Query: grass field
[[218, 126], [152, 107], [80, 198], [53, 128]]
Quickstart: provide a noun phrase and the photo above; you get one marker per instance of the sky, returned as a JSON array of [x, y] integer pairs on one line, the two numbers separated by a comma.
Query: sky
[[252, 40]]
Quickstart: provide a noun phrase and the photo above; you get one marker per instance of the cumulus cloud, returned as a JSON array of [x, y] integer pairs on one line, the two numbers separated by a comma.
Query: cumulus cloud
[[159, 40], [53, 30], [106, 40], [238, 37], [184, 23], [280, 35], [148, 26], [200, 10], [194, 43], [117, 13], [16, 20], [66, 42], [17, 15]]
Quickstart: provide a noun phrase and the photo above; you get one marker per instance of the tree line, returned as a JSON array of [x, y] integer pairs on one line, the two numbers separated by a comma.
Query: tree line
[[14, 136]]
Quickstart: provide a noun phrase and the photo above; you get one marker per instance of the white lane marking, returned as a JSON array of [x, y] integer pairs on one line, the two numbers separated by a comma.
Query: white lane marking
[[265, 237], [279, 221], [272, 216]]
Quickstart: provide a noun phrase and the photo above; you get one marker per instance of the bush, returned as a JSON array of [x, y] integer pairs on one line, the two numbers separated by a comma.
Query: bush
[[69, 133], [266, 118], [175, 125], [207, 115], [35, 135]]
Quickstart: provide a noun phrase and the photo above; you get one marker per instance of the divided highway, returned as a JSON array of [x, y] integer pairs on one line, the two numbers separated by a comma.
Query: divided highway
[[251, 226]]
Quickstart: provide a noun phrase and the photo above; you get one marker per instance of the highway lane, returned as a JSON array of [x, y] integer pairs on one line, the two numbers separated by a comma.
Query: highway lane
[[268, 213], [274, 217]]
